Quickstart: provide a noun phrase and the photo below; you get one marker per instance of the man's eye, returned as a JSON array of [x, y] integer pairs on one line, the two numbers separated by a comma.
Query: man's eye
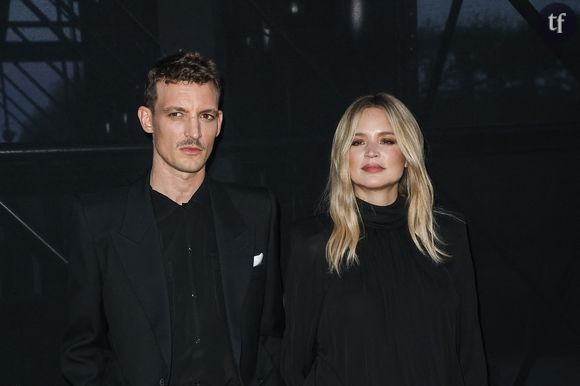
[[207, 116], [176, 114]]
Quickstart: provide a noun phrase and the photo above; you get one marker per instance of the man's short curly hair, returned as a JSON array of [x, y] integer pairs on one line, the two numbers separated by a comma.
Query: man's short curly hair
[[183, 66]]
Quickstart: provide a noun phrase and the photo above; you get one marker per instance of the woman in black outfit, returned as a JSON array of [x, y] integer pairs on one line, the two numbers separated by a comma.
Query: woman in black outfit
[[380, 289]]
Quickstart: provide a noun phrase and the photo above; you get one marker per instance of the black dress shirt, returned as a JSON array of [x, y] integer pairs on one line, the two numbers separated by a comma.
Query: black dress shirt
[[201, 351]]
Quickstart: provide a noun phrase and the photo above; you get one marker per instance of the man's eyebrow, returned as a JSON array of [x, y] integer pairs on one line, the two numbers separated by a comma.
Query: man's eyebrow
[[211, 111], [173, 108]]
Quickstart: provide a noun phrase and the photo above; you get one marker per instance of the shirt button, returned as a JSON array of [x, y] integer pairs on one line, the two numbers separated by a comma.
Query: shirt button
[[188, 249], [196, 340], [197, 383], [162, 382], [194, 294]]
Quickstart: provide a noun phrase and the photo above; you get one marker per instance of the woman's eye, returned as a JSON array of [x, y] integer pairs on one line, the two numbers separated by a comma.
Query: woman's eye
[[357, 142], [388, 141]]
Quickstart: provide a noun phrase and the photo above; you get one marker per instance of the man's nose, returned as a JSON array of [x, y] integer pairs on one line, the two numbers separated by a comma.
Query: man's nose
[[193, 128]]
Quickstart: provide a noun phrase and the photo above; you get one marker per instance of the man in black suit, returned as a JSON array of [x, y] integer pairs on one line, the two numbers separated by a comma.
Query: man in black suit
[[175, 280]]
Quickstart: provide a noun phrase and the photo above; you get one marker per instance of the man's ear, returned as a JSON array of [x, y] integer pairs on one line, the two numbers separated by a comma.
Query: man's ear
[[146, 118], [220, 117]]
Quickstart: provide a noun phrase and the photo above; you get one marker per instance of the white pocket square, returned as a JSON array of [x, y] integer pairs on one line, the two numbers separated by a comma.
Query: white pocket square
[[258, 259]]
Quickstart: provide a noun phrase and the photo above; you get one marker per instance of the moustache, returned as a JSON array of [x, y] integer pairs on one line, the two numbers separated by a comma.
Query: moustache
[[190, 142]]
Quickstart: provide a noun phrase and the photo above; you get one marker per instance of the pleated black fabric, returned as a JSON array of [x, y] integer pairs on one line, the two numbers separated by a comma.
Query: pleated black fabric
[[396, 318]]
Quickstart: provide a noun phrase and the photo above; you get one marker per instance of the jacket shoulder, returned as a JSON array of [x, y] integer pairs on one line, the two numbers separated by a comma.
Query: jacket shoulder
[[102, 211], [103, 200], [248, 195]]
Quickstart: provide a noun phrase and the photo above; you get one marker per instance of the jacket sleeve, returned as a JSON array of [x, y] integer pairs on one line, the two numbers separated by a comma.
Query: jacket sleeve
[[469, 340], [303, 296], [85, 350]]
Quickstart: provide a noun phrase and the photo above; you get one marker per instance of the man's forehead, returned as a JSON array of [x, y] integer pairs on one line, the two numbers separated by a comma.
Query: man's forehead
[[169, 83], [187, 91]]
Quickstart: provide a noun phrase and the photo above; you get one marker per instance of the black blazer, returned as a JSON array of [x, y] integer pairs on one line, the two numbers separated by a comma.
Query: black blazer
[[119, 323]]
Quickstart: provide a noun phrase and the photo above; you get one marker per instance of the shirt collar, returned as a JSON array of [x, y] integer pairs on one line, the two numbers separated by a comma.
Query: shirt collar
[[163, 206]]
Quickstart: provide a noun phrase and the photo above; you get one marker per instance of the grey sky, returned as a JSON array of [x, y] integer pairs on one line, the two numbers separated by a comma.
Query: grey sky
[[501, 10]]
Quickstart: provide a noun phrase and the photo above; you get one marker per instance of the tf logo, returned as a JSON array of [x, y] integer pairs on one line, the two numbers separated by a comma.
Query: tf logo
[[557, 21]]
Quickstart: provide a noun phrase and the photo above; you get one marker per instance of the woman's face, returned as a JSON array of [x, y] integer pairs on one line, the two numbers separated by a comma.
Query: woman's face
[[375, 160]]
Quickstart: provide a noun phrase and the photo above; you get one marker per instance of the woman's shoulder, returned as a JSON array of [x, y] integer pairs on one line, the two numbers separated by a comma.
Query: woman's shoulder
[[308, 239], [453, 233], [313, 226], [451, 225]]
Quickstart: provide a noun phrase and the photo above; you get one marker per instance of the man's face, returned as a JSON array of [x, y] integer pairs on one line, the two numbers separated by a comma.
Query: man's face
[[184, 125]]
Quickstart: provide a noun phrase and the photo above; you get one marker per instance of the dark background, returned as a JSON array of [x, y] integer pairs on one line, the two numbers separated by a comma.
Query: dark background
[[499, 104]]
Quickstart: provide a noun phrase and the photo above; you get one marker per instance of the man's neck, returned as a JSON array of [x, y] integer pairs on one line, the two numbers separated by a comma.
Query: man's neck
[[178, 186]]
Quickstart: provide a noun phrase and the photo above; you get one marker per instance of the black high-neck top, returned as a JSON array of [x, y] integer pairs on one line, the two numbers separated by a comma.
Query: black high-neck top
[[389, 216], [396, 318]]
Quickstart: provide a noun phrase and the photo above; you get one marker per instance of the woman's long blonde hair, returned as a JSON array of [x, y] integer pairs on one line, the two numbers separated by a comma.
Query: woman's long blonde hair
[[415, 184]]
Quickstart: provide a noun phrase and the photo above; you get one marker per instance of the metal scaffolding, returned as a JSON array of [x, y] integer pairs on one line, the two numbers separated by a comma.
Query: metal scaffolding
[[40, 51]]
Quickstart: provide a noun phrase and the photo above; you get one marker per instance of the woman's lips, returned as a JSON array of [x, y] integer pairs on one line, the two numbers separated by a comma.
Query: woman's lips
[[373, 168]]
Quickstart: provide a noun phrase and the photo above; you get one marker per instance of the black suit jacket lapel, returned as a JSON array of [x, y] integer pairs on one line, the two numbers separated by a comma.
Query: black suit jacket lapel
[[234, 250], [139, 249]]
